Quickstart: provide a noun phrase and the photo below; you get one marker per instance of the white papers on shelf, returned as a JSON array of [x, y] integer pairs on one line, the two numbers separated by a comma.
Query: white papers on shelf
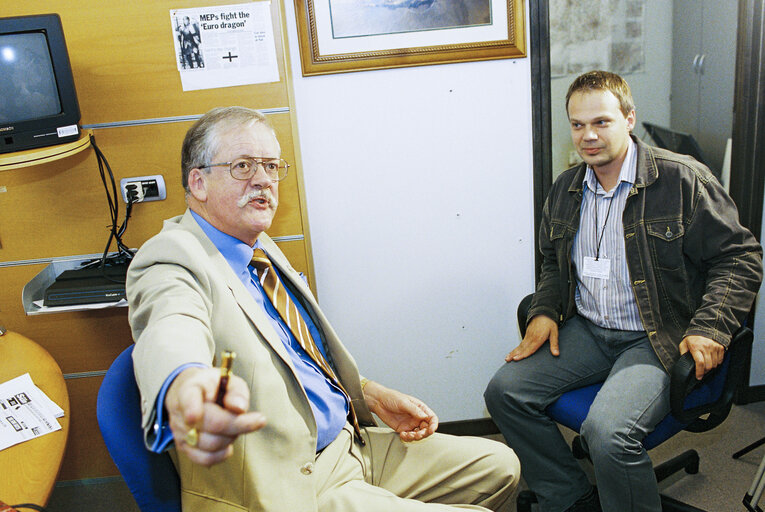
[[40, 308], [25, 412]]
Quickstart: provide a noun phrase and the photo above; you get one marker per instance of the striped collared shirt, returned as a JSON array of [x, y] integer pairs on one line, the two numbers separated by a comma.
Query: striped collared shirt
[[609, 303]]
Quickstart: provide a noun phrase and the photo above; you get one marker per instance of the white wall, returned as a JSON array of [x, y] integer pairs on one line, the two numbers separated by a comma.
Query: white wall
[[419, 195]]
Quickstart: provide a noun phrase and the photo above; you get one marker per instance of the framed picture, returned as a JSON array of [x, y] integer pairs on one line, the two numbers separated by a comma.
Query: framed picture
[[338, 36]]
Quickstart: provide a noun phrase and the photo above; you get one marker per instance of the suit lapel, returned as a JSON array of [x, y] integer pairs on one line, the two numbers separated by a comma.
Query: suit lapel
[[295, 282], [303, 294], [254, 312]]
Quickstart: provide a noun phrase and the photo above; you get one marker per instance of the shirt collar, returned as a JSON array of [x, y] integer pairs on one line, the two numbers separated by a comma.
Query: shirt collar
[[237, 253], [626, 174]]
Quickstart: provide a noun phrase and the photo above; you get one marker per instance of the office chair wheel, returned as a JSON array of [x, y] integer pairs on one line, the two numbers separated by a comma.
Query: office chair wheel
[[524, 501], [692, 466]]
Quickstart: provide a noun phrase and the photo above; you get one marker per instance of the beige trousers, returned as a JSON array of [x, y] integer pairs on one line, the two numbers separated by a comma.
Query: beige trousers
[[440, 473]]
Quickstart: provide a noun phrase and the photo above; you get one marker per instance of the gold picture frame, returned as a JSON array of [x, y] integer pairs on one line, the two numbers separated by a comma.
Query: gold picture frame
[[324, 50]]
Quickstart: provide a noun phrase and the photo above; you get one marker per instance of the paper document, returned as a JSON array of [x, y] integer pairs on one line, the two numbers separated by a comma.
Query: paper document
[[225, 45], [40, 308], [25, 412]]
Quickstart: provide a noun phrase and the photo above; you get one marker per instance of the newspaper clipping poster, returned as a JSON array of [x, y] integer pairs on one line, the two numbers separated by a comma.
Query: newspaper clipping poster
[[225, 45]]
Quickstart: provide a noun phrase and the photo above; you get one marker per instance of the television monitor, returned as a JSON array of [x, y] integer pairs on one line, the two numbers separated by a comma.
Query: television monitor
[[38, 101], [673, 140]]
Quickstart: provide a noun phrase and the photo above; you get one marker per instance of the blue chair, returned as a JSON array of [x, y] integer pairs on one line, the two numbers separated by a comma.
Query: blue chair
[[151, 477], [690, 399]]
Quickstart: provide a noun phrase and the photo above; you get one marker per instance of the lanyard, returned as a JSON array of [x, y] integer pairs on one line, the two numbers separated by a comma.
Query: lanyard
[[599, 239]]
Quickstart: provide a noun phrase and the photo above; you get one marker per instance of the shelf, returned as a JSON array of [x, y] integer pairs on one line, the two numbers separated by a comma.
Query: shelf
[[34, 290], [38, 156]]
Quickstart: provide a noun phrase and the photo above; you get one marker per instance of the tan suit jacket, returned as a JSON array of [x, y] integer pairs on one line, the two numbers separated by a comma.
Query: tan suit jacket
[[187, 305]]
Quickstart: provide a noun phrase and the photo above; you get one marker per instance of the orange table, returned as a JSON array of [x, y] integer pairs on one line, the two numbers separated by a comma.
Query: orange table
[[28, 470]]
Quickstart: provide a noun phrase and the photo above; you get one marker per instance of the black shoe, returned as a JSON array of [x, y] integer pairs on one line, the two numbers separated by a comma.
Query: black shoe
[[587, 503]]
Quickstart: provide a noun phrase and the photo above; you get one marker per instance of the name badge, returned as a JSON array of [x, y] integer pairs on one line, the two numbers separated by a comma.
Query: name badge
[[599, 269]]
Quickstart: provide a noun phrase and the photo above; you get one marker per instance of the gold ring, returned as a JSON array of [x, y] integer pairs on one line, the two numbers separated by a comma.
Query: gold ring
[[192, 437]]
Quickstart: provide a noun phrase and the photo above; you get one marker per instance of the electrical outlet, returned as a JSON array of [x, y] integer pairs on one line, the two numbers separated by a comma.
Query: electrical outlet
[[143, 188]]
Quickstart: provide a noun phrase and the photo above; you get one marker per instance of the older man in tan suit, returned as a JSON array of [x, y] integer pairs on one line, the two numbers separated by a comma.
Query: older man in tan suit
[[294, 430]]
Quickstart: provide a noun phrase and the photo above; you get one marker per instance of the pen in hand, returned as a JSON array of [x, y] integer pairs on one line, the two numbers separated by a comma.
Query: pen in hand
[[225, 373]]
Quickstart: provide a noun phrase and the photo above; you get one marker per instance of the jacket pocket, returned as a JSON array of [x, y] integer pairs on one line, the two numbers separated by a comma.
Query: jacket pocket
[[558, 239], [557, 231], [665, 239], [197, 501]]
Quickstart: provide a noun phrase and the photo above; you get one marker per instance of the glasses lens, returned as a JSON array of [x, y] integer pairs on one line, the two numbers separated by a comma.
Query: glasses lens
[[245, 168], [280, 169], [242, 168]]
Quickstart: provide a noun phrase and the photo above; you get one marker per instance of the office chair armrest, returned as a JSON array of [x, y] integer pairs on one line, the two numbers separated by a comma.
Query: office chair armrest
[[683, 378], [683, 381]]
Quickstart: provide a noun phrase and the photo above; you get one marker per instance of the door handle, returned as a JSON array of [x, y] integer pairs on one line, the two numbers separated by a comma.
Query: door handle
[[695, 65], [701, 63]]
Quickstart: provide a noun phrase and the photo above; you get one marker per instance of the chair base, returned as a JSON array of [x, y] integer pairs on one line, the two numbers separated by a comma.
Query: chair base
[[749, 448], [527, 498], [688, 461], [672, 505], [524, 501]]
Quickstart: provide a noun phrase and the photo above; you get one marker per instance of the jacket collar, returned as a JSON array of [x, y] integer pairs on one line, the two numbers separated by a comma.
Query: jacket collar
[[246, 302], [647, 171]]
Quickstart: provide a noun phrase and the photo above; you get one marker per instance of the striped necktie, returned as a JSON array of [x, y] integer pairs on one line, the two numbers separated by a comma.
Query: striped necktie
[[279, 297]]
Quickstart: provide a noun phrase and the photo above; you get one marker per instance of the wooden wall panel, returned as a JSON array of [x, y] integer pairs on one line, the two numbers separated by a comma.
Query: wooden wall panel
[[80, 341], [41, 205], [128, 87], [124, 63], [86, 455], [65, 201], [296, 254], [85, 341]]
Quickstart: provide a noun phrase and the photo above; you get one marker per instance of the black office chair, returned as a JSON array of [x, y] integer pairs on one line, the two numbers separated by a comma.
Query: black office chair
[[690, 399]]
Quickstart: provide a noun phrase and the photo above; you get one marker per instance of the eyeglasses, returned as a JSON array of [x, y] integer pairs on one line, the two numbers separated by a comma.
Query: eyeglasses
[[245, 168]]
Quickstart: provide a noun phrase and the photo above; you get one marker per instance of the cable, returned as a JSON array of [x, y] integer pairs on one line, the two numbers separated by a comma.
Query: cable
[[124, 254], [29, 505]]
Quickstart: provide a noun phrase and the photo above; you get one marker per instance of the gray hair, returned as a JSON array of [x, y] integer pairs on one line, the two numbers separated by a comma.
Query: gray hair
[[203, 139]]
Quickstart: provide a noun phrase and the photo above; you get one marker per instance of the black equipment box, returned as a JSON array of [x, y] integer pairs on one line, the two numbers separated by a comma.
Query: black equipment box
[[87, 286]]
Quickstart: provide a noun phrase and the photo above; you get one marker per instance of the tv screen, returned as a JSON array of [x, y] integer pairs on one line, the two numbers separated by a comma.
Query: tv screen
[[29, 88], [38, 102]]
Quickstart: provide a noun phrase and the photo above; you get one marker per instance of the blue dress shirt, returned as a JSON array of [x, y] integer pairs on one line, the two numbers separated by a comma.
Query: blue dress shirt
[[329, 404]]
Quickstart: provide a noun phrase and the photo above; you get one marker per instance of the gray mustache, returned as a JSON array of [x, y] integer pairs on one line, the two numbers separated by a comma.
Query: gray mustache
[[265, 194]]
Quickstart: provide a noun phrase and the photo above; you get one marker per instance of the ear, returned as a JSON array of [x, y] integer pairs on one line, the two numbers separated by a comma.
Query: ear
[[198, 184], [631, 119]]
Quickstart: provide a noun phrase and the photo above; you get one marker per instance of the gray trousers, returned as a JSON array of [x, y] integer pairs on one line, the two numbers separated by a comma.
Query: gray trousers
[[633, 399]]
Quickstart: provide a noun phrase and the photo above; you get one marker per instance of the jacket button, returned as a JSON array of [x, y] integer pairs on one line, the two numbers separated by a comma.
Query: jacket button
[[307, 468]]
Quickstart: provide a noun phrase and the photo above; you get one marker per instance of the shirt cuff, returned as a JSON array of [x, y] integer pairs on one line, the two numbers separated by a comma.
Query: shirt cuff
[[159, 439]]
